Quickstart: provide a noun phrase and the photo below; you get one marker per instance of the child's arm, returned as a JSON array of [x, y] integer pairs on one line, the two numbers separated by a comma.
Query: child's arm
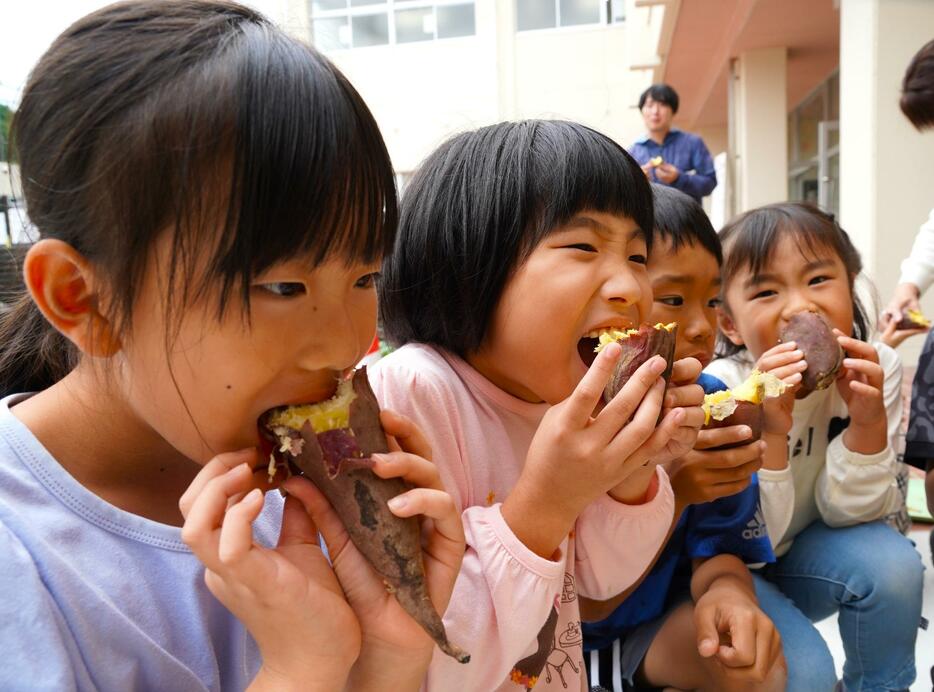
[[858, 482], [777, 488], [728, 621]]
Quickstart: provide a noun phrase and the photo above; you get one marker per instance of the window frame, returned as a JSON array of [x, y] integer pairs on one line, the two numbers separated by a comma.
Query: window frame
[[606, 18], [389, 9]]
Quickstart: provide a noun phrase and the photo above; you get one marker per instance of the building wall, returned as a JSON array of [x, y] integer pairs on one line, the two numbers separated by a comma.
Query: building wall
[[421, 93], [887, 168]]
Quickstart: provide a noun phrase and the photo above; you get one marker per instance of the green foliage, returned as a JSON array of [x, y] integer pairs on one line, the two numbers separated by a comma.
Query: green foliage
[[6, 116]]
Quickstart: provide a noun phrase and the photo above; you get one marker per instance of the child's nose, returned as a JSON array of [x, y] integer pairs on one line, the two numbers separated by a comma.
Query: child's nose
[[621, 287]]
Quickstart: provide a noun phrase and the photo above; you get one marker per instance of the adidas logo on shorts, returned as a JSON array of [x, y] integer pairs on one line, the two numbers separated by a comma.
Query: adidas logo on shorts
[[755, 527]]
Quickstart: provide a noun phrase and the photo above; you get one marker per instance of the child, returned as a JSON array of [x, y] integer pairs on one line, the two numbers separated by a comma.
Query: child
[[517, 243], [659, 622], [839, 482], [203, 185]]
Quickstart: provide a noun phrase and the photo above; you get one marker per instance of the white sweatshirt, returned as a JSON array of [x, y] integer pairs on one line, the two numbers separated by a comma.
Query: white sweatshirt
[[825, 480], [918, 267]]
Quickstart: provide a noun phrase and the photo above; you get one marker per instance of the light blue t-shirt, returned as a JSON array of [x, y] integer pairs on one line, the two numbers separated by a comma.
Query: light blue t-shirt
[[95, 598]]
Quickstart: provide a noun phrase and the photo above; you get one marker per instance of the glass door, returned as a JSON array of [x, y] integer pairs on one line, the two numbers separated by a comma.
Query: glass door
[[828, 166]]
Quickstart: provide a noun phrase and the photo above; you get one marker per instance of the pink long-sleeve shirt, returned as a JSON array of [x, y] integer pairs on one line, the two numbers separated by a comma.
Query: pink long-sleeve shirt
[[514, 611]]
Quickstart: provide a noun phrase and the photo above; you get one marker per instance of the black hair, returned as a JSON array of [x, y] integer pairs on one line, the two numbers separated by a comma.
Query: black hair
[[750, 240], [661, 93], [917, 102], [202, 117], [681, 220], [476, 209]]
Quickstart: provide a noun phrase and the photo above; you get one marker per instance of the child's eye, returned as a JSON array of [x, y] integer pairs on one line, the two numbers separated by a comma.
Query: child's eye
[[284, 289], [673, 301], [583, 247], [714, 303], [367, 280], [638, 259], [818, 280], [764, 294]]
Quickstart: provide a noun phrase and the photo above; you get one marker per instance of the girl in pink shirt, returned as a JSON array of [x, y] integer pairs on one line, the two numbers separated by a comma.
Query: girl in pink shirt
[[518, 243]]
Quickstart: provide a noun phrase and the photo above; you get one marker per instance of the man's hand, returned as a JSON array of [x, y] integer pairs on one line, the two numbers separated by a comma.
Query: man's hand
[[666, 173]]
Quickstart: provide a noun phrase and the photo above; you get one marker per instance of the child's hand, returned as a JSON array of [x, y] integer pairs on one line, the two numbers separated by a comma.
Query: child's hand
[[785, 361], [396, 650], [731, 627], [860, 381], [575, 457], [892, 336], [683, 392], [705, 474], [287, 597]]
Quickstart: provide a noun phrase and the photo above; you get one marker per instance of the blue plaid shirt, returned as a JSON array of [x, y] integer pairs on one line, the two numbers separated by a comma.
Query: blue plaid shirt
[[687, 153]]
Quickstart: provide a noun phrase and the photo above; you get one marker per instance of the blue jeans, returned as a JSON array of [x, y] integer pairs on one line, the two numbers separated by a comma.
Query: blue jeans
[[872, 575]]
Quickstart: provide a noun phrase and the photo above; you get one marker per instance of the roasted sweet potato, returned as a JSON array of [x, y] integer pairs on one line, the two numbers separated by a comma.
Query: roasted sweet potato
[[330, 443], [638, 346], [913, 319], [824, 356], [742, 405]]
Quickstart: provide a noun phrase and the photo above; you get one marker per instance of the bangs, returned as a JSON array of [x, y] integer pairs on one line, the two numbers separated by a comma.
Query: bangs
[[751, 240], [264, 154], [573, 168]]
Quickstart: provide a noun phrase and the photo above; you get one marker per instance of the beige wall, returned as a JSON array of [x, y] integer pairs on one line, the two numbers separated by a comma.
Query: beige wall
[[887, 168], [760, 159]]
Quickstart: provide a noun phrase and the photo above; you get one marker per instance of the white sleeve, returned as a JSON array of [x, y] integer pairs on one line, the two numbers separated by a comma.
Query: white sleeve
[[855, 488], [777, 498], [918, 267], [731, 371]]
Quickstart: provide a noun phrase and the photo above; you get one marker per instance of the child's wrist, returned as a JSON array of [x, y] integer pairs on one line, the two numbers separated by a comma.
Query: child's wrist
[[389, 668], [638, 489], [866, 438], [541, 532]]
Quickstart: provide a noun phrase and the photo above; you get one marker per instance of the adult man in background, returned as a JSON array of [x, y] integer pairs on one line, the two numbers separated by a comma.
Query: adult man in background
[[669, 155]]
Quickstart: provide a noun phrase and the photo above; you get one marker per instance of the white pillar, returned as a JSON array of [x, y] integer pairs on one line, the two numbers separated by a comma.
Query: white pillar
[[886, 166], [760, 116]]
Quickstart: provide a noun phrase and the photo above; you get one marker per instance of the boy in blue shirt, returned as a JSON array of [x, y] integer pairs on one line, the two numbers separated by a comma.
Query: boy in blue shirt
[[694, 621]]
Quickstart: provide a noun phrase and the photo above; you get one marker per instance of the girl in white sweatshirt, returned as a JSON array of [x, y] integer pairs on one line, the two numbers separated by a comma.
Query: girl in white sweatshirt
[[825, 505]]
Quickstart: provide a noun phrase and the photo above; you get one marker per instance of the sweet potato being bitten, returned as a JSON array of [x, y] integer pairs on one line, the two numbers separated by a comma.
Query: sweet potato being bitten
[[638, 346], [330, 443], [824, 355], [742, 405]]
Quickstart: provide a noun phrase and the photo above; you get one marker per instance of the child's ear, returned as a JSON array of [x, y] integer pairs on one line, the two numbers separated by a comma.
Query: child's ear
[[65, 288], [726, 325]]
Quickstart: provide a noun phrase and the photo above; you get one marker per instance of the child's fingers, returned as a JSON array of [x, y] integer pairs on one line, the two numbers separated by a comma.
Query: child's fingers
[[217, 466], [322, 514], [206, 514], [685, 371], [873, 372], [406, 433], [632, 433], [434, 504], [410, 467], [791, 374], [856, 348], [705, 628], [652, 445], [717, 437], [644, 389], [684, 395], [783, 359], [589, 390], [236, 535], [298, 528], [741, 652]]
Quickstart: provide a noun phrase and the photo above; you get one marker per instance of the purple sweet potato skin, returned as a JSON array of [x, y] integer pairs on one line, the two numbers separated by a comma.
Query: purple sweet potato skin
[[637, 349], [824, 356], [391, 544], [746, 413]]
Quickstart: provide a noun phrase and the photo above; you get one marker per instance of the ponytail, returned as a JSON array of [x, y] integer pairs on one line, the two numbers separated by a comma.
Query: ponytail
[[33, 354]]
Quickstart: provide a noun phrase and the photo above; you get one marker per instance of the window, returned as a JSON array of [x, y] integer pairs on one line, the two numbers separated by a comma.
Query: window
[[341, 24], [814, 147], [532, 15]]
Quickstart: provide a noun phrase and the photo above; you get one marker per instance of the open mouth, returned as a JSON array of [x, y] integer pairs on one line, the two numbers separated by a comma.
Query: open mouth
[[587, 349], [591, 343]]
